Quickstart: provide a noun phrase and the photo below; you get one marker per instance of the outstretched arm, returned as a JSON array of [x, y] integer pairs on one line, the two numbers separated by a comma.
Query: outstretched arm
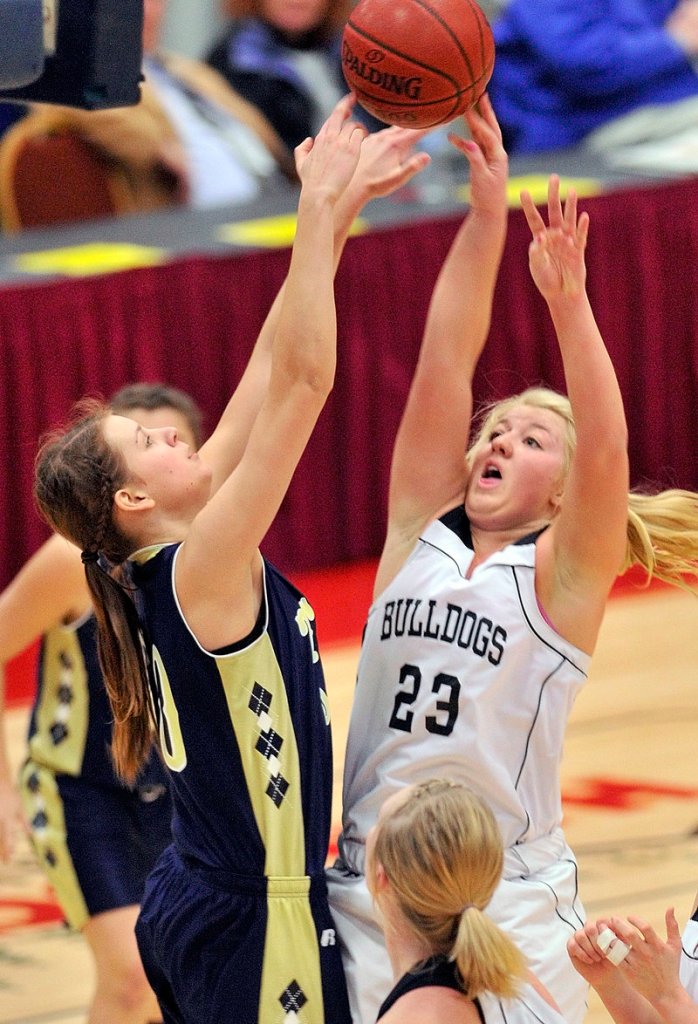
[[582, 553], [49, 589], [219, 577], [387, 162], [428, 466]]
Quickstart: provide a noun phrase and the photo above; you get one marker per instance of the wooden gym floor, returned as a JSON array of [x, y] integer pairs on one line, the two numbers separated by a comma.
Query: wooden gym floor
[[629, 783]]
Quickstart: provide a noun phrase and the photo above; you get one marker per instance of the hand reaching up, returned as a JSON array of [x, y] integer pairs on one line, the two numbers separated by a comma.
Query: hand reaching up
[[388, 161], [489, 164], [326, 164], [556, 253]]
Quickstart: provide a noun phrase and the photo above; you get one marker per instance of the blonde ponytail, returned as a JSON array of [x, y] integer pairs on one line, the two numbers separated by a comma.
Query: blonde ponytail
[[442, 854], [486, 958]]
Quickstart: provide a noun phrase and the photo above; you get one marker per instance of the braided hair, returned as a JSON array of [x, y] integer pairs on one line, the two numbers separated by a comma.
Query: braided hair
[[77, 475]]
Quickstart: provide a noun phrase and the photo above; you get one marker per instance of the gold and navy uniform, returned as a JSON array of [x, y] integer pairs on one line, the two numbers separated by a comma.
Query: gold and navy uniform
[[235, 923], [96, 838]]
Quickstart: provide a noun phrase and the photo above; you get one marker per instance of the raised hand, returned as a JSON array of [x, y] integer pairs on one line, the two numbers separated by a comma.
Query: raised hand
[[326, 164], [556, 253], [387, 161], [489, 164], [652, 965], [587, 958]]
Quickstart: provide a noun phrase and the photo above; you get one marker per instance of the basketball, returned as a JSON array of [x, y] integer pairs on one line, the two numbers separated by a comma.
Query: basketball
[[417, 63]]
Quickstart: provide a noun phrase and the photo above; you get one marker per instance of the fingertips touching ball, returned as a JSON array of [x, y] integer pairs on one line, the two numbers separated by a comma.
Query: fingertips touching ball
[[417, 63]]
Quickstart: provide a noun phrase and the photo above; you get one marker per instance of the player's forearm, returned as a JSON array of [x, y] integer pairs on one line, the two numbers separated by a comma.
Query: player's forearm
[[626, 1006], [304, 345], [460, 311], [5, 773], [239, 416], [590, 378], [675, 1008]]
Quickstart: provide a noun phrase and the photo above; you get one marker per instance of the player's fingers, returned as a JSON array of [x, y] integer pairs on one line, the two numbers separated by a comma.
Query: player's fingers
[[417, 162], [345, 105], [630, 931], [301, 151], [411, 135], [532, 213], [632, 921], [645, 929], [353, 135], [586, 942], [576, 952], [341, 113], [6, 843], [673, 932], [555, 218], [582, 230], [405, 172], [570, 211], [469, 147], [480, 129], [484, 105]]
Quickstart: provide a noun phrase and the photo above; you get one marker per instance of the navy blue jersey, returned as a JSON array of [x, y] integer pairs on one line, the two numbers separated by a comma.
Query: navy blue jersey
[[437, 971], [95, 837], [526, 1007], [70, 728], [244, 731]]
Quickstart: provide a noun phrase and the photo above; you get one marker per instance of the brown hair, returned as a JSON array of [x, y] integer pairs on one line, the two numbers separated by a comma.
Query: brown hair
[[442, 854], [662, 528], [77, 475], [142, 395]]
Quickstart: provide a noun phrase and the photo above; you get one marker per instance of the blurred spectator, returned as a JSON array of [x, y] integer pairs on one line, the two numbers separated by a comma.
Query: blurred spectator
[[192, 139], [565, 69], [492, 8], [284, 56]]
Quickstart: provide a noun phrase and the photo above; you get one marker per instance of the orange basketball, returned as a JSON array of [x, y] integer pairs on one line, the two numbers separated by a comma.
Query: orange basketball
[[417, 63]]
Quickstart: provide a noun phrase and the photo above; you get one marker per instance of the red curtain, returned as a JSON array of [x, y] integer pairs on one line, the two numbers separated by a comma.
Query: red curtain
[[193, 322]]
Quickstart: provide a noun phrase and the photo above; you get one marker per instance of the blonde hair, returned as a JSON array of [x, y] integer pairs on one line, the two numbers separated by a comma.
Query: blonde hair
[[442, 853], [662, 528]]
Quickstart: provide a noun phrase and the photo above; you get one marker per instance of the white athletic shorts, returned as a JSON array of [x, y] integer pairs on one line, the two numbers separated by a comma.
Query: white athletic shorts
[[536, 904]]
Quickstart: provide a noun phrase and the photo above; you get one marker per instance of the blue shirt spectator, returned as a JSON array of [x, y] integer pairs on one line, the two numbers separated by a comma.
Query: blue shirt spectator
[[565, 67]]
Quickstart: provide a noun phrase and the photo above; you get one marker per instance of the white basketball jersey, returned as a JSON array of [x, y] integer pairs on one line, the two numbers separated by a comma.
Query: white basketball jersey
[[462, 678], [689, 958], [527, 1008]]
